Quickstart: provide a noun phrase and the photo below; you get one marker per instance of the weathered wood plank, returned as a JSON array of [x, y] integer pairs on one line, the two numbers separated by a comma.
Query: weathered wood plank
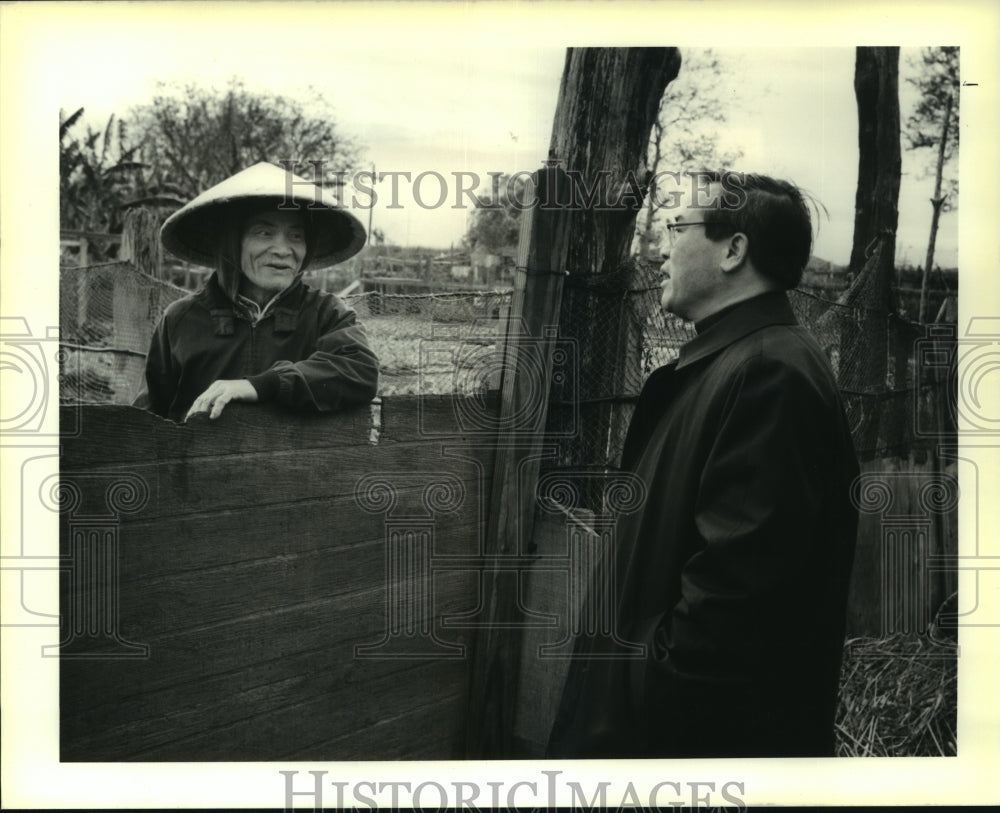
[[265, 736], [541, 679], [263, 687], [102, 454], [445, 417], [158, 550], [266, 720], [252, 572], [236, 483], [188, 657], [393, 739], [198, 542], [118, 434], [527, 378], [195, 598]]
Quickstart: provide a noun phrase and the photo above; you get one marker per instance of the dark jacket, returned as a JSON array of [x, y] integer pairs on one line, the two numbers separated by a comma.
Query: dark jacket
[[308, 352], [734, 573]]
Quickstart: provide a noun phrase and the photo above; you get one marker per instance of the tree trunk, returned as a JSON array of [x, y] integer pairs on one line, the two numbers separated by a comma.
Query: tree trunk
[[608, 102], [937, 202], [864, 343], [876, 87]]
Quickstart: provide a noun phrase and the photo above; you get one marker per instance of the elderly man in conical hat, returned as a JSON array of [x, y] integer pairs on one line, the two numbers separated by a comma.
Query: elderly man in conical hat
[[256, 332]]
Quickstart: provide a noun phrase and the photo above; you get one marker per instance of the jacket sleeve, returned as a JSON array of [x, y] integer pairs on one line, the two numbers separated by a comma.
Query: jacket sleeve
[[341, 372], [760, 501], [162, 374]]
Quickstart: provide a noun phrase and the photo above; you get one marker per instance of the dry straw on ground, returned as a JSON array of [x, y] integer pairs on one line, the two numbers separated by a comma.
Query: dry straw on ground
[[898, 697]]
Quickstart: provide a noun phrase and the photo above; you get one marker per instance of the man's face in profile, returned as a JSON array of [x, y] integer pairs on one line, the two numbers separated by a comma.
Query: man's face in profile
[[272, 250], [691, 275]]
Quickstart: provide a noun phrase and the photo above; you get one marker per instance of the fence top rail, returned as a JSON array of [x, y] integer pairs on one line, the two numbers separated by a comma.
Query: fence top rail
[[76, 234]]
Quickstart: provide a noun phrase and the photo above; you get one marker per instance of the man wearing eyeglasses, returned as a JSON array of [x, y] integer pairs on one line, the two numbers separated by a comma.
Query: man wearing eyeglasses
[[732, 578]]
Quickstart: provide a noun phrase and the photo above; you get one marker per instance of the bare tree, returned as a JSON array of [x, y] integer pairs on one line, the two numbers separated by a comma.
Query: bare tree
[[934, 124], [685, 133]]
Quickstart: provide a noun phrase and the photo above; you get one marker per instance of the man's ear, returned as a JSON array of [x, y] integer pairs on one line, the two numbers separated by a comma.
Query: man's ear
[[737, 247]]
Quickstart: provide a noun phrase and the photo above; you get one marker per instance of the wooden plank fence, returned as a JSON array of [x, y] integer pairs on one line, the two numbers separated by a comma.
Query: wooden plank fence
[[229, 586], [273, 586]]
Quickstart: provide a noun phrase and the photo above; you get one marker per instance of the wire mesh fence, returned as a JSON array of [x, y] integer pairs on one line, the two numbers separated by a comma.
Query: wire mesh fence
[[433, 343], [443, 343], [621, 335], [107, 314]]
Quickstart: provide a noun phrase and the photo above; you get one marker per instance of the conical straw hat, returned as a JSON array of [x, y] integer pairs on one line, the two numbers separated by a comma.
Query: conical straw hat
[[192, 232]]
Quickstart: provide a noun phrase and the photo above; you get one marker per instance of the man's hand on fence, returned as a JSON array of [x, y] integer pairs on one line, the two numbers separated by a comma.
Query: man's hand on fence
[[214, 399]]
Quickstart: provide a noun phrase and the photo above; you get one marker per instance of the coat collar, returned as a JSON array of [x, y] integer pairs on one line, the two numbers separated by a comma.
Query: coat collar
[[285, 308], [771, 308]]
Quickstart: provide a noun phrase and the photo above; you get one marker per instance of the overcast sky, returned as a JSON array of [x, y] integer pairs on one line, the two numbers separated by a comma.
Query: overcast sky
[[420, 106]]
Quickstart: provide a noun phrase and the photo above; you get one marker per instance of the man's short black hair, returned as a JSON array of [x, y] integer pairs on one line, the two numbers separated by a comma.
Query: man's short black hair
[[773, 215]]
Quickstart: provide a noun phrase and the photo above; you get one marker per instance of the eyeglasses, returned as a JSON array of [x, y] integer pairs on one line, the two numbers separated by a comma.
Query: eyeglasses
[[672, 228]]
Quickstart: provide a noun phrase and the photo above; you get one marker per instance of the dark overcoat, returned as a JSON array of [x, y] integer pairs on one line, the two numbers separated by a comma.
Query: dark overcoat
[[308, 352], [732, 577]]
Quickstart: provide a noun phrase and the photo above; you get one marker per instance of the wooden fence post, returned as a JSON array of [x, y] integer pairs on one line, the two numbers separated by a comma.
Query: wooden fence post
[[607, 102], [527, 370], [141, 241]]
